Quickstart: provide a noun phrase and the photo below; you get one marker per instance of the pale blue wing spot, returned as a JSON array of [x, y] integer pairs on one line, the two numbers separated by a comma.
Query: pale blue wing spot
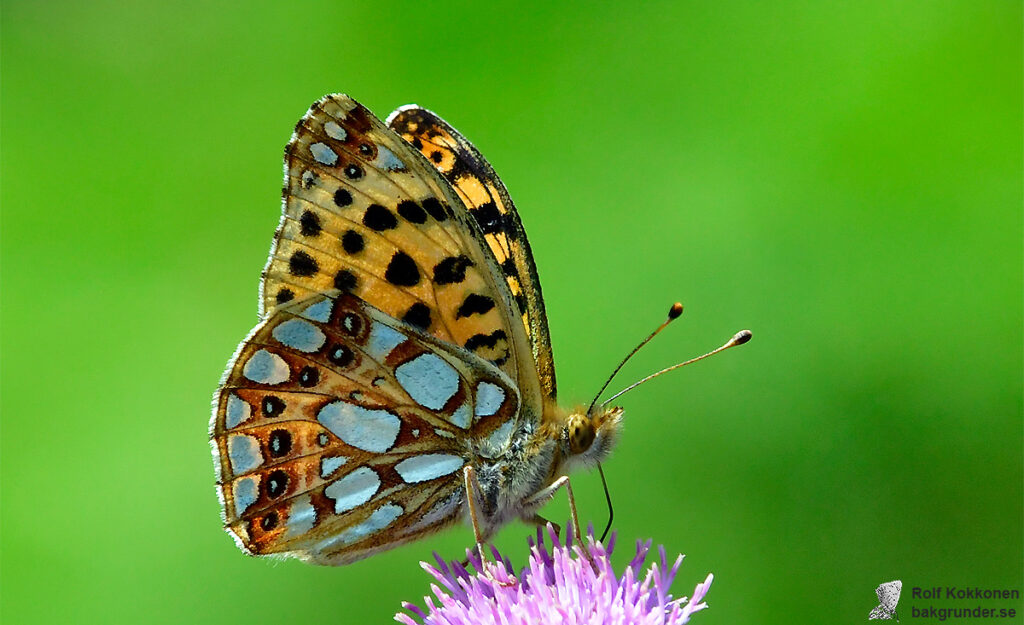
[[386, 159], [299, 334], [323, 154], [353, 490], [236, 411], [246, 492], [320, 311], [335, 131], [428, 467], [381, 518], [370, 430], [462, 416], [382, 340], [489, 398], [330, 464], [429, 380], [244, 453], [301, 517], [266, 368]]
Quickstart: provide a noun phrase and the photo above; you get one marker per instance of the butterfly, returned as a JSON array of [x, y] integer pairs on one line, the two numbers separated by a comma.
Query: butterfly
[[888, 596], [400, 378]]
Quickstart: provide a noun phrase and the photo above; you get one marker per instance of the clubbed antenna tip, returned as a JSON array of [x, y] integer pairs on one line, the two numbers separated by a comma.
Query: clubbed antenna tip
[[742, 337]]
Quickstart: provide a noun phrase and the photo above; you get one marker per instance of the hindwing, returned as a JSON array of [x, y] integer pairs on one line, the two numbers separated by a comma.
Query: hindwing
[[340, 431], [488, 201]]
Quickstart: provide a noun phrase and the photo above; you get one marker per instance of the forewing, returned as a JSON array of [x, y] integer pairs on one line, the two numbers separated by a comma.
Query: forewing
[[366, 214], [340, 431], [488, 201]]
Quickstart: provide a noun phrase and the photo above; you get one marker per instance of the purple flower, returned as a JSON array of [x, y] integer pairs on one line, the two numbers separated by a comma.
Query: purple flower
[[558, 586]]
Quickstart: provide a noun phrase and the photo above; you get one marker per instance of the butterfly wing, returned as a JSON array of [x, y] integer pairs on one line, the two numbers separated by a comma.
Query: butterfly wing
[[889, 594], [879, 613], [488, 201], [366, 214], [340, 431]]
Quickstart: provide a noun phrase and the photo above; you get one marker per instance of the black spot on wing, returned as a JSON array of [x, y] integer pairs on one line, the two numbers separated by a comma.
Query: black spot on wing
[[309, 377], [412, 212], [269, 521], [379, 218], [474, 304], [451, 270], [520, 299], [402, 270], [340, 355], [351, 324], [418, 315], [277, 483], [272, 406], [435, 208], [309, 224], [487, 216], [342, 198], [352, 242], [302, 264], [284, 295], [345, 281], [280, 443], [485, 340]]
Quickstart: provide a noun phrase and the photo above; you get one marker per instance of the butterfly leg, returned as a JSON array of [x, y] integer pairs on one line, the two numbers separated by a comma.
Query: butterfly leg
[[473, 495], [545, 495]]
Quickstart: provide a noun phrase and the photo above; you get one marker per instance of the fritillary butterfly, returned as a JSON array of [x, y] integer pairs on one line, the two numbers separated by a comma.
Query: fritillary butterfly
[[401, 376]]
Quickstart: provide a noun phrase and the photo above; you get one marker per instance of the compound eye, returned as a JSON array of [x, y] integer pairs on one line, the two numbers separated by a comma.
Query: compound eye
[[581, 436]]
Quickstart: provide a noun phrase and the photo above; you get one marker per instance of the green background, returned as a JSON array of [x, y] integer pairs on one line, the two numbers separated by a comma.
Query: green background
[[844, 180]]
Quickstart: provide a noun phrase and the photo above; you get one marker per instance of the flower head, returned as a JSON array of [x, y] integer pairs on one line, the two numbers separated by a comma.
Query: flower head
[[558, 586]]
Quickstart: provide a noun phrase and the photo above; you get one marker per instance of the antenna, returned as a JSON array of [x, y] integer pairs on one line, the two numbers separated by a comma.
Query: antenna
[[739, 338], [673, 314]]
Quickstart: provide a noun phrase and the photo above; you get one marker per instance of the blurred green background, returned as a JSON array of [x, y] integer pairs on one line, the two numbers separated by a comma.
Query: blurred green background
[[844, 180]]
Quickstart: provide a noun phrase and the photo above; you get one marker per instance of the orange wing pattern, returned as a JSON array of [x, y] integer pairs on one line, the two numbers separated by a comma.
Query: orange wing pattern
[[366, 214], [489, 203]]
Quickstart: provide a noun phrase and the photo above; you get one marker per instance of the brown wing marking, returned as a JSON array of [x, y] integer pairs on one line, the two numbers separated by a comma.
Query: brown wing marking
[[286, 455]]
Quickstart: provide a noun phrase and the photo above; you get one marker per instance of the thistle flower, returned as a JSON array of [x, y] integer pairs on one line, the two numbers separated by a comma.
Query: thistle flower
[[558, 586]]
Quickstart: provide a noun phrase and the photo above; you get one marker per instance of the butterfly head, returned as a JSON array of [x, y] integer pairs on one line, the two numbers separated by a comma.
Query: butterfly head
[[590, 435]]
